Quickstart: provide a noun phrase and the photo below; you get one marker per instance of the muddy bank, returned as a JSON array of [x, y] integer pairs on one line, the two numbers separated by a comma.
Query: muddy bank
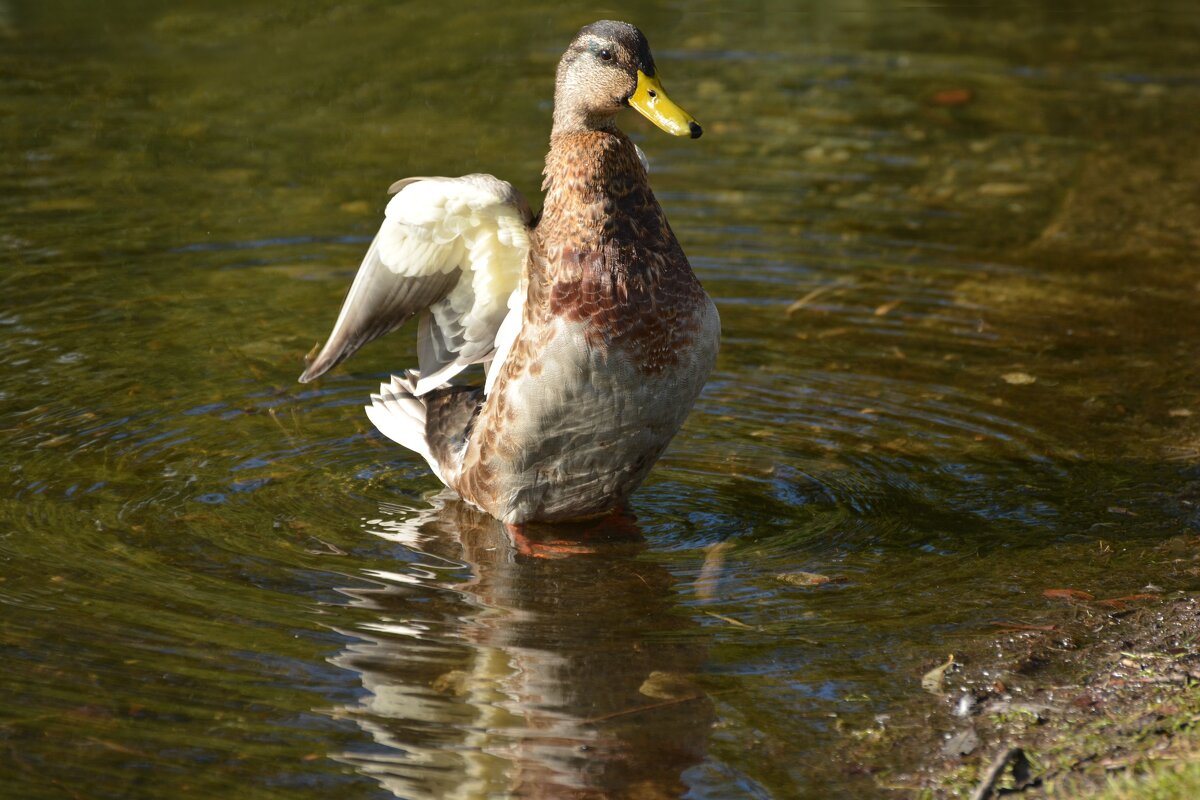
[[1051, 707]]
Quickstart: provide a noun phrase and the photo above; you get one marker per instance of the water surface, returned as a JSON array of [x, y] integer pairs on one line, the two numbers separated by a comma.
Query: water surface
[[954, 254]]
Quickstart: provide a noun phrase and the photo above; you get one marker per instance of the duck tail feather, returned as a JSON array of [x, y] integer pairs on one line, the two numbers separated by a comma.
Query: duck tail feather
[[400, 416]]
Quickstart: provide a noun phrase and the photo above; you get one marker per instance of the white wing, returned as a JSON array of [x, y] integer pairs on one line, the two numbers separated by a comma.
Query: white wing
[[452, 248]]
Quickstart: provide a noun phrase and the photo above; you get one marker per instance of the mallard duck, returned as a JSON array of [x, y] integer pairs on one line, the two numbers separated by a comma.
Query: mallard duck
[[595, 334]]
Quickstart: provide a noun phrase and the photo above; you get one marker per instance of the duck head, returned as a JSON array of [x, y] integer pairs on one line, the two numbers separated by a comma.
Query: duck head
[[607, 67]]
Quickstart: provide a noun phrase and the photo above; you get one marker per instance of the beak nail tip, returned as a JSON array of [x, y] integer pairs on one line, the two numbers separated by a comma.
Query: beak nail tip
[[695, 130]]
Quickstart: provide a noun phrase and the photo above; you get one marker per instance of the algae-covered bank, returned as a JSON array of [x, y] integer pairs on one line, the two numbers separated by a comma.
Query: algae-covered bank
[[956, 410], [1101, 699]]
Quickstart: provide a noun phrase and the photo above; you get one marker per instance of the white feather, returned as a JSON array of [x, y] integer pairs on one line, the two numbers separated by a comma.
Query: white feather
[[645, 162], [506, 336], [476, 224], [401, 417]]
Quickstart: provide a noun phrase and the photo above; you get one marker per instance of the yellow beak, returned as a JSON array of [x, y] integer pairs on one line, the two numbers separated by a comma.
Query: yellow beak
[[652, 103]]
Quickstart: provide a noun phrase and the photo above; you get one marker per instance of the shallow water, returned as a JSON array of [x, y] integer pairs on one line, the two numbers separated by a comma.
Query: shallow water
[[954, 251]]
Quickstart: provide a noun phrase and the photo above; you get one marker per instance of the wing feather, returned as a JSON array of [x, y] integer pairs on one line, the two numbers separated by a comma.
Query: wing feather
[[453, 248]]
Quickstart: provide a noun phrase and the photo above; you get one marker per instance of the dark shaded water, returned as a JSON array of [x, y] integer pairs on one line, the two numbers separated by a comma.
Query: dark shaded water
[[954, 251]]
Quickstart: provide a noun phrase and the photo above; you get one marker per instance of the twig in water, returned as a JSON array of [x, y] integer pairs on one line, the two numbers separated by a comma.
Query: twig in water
[[1020, 765], [813, 295]]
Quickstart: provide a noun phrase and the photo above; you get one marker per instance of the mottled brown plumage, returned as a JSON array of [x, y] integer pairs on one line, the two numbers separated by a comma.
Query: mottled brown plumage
[[605, 254]]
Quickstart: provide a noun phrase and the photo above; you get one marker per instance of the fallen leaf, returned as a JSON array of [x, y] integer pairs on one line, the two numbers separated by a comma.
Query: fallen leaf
[[1067, 594], [948, 98], [934, 680], [962, 743], [57, 441], [804, 578], [887, 307], [1018, 378], [668, 686]]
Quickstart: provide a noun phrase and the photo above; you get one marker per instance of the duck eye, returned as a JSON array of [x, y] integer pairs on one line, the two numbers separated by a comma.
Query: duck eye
[[606, 55]]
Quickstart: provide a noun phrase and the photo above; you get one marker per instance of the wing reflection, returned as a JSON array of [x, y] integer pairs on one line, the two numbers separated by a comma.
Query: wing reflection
[[493, 671]]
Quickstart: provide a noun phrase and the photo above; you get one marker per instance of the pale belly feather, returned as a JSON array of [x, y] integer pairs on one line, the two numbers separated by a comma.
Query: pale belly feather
[[588, 425]]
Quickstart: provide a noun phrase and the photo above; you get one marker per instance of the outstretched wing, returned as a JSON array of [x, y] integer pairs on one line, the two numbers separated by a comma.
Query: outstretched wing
[[452, 248]]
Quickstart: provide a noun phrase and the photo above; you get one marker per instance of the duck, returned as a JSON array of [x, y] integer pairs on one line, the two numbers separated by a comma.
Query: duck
[[595, 335]]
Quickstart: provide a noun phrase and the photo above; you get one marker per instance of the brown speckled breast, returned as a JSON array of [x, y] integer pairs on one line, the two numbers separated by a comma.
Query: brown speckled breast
[[604, 253], [604, 264]]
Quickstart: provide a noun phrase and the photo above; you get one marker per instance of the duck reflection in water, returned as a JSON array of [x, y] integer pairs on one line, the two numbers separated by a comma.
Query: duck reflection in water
[[550, 669]]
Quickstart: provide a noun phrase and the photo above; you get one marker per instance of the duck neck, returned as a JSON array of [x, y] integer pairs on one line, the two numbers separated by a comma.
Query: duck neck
[[595, 172], [572, 118]]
